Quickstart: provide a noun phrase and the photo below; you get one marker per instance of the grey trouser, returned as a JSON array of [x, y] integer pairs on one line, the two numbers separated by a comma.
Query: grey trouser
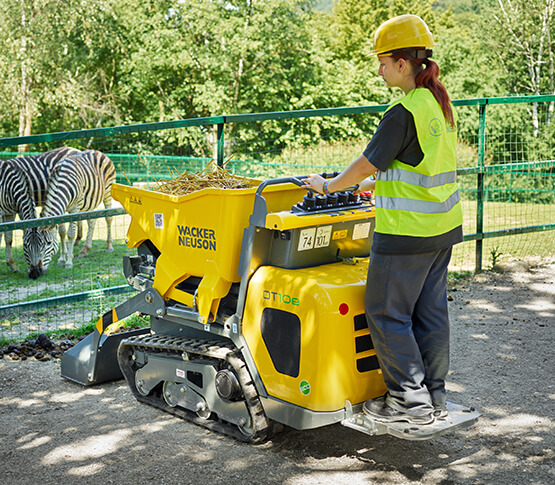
[[406, 310]]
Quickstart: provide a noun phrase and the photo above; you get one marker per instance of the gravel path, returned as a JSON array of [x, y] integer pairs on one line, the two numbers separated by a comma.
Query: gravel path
[[53, 431]]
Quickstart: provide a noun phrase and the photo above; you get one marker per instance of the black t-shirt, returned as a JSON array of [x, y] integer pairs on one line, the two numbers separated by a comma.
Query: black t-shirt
[[395, 139]]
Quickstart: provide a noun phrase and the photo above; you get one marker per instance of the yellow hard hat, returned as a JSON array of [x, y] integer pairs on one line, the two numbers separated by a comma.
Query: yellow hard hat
[[402, 32]]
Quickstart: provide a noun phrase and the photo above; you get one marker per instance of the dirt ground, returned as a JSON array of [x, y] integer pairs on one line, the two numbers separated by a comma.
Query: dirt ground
[[53, 431]]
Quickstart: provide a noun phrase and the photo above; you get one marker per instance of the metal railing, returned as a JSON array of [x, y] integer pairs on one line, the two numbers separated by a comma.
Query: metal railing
[[481, 170]]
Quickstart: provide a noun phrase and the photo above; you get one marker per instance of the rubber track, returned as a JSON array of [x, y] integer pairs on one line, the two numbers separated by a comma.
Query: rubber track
[[220, 350]]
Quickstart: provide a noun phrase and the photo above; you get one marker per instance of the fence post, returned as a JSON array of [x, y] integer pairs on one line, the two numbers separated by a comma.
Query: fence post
[[480, 188], [220, 142]]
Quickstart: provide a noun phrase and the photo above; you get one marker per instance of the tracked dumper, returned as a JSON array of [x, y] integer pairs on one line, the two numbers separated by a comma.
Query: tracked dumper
[[256, 304]]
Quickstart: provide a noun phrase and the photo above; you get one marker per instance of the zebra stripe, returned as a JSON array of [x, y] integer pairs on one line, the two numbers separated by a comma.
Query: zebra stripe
[[39, 168], [80, 183], [15, 199], [23, 182]]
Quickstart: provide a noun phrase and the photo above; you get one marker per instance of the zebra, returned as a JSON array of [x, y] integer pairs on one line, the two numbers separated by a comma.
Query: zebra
[[39, 247], [23, 184], [39, 168], [15, 199], [79, 183]]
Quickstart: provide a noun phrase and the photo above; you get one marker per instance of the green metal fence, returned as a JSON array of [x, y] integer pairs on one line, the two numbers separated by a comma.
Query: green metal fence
[[506, 176]]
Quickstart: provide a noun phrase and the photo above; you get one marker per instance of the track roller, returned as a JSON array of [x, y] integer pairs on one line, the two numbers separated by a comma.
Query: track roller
[[211, 387]]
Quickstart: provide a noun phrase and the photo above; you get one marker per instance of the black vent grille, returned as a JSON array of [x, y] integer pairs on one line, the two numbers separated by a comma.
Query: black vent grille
[[360, 322], [363, 343], [281, 332]]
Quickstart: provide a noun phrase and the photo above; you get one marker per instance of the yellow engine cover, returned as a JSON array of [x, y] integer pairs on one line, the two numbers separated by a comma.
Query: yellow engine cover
[[307, 333]]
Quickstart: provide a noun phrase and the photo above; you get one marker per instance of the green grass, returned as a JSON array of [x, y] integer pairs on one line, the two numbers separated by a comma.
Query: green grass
[[536, 246], [458, 276], [85, 276], [97, 270], [132, 322]]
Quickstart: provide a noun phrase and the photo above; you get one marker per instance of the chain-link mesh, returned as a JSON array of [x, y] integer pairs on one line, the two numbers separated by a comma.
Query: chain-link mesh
[[506, 178]]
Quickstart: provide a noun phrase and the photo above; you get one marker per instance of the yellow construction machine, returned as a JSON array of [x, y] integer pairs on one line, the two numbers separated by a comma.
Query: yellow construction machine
[[256, 305]]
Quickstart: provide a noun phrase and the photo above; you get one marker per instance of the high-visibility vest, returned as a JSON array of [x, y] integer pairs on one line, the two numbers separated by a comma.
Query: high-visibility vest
[[421, 201]]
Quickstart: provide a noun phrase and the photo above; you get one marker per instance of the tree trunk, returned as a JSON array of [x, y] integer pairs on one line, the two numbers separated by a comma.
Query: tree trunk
[[25, 101]]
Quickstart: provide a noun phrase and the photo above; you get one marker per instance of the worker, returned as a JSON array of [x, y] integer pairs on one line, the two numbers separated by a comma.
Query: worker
[[418, 220]]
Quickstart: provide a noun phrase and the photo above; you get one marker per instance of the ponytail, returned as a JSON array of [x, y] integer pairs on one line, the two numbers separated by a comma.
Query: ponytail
[[428, 77]]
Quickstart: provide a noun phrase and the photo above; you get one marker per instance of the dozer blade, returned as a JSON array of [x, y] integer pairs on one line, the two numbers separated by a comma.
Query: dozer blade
[[458, 417], [94, 359], [87, 363]]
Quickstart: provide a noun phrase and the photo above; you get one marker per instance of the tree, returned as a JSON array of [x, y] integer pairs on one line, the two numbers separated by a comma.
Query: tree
[[56, 69], [524, 38], [523, 42], [79, 64], [354, 24]]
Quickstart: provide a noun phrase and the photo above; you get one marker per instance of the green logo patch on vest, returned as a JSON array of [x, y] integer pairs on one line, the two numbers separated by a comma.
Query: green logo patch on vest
[[435, 127]]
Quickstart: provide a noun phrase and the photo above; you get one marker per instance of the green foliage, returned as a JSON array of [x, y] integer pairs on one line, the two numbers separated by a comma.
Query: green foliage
[[495, 254], [354, 23], [71, 65], [106, 62], [205, 58], [518, 40], [58, 65]]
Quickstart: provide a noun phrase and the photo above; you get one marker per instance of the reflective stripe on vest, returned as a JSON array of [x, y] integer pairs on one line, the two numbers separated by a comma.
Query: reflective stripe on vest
[[426, 181], [414, 205]]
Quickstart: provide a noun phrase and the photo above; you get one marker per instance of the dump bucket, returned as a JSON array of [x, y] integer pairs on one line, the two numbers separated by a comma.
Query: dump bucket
[[197, 234], [94, 359]]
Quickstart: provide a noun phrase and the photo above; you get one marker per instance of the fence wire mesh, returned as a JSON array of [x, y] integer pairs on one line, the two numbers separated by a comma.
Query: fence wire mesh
[[506, 177]]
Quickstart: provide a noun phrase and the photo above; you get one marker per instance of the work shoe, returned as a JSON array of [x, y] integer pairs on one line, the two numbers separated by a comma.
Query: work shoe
[[380, 411], [440, 413]]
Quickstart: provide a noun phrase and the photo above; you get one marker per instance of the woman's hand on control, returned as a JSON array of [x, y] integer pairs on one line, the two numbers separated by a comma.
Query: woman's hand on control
[[367, 185], [314, 182]]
